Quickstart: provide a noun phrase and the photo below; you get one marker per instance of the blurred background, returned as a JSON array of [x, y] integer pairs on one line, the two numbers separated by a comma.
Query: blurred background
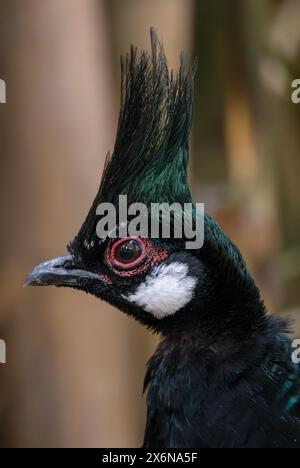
[[75, 366]]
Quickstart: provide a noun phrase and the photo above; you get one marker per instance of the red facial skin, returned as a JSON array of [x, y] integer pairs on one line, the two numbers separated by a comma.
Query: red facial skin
[[105, 279], [150, 255]]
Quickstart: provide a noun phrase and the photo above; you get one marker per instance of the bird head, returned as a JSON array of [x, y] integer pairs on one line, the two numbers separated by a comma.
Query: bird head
[[155, 278]]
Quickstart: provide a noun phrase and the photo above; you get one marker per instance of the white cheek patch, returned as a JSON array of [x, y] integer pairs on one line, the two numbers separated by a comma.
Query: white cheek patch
[[166, 290]]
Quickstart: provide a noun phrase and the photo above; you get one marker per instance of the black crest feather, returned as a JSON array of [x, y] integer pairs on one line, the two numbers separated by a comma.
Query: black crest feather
[[150, 157]]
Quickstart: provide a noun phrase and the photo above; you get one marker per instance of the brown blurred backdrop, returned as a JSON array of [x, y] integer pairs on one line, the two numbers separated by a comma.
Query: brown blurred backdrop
[[75, 366]]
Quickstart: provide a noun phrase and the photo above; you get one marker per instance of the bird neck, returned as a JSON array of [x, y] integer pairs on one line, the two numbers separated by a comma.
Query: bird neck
[[226, 319], [183, 360]]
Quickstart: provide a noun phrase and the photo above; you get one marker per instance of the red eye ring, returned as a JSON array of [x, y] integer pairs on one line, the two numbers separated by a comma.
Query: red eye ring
[[150, 255], [113, 253]]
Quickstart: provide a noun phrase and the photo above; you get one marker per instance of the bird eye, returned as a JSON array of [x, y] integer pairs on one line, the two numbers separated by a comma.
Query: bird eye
[[132, 256], [127, 252]]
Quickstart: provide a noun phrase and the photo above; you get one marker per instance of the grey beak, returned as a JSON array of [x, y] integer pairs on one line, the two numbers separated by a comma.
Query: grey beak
[[60, 271]]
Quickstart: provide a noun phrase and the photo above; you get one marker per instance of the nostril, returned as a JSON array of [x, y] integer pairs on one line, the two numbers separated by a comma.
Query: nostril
[[70, 265], [67, 263]]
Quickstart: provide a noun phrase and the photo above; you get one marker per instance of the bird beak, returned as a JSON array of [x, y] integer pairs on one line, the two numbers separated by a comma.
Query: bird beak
[[60, 271]]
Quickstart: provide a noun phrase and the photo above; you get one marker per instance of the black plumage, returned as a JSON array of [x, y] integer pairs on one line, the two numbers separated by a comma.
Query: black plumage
[[224, 395], [223, 375]]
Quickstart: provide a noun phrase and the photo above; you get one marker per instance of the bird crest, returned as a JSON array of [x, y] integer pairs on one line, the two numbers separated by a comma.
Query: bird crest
[[150, 157]]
